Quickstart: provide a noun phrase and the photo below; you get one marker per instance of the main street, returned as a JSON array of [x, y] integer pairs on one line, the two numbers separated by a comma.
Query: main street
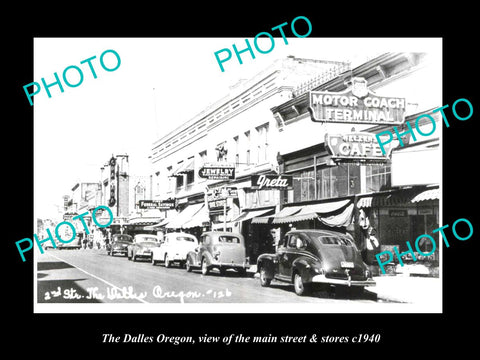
[[92, 276]]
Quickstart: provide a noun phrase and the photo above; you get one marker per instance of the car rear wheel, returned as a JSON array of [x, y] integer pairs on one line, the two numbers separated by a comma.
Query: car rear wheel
[[204, 267], [300, 287], [134, 257], [264, 280], [154, 262], [167, 261]]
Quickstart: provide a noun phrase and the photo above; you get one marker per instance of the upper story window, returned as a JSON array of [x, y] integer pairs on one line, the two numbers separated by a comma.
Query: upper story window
[[262, 143]]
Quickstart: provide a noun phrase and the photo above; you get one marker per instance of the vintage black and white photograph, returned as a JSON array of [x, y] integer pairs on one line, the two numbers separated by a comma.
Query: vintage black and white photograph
[[273, 174]]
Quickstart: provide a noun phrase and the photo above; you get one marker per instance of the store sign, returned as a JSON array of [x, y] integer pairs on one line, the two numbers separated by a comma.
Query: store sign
[[271, 182], [217, 171], [356, 147], [157, 204], [222, 193], [356, 105]]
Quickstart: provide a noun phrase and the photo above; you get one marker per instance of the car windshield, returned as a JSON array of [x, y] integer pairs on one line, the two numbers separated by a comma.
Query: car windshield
[[229, 239], [332, 240], [185, 238]]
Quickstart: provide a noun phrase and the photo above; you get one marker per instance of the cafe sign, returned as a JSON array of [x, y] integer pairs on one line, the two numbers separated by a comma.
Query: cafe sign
[[356, 147], [356, 105], [217, 171]]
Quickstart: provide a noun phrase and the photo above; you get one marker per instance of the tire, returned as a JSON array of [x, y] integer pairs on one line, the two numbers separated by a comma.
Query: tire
[[222, 271], [188, 266], [264, 281], [134, 258], [129, 257], [205, 269], [167, 261], [300, 288], [154, 262]]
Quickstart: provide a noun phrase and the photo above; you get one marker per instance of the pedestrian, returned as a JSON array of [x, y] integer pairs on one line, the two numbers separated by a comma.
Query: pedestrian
[[372, 246]]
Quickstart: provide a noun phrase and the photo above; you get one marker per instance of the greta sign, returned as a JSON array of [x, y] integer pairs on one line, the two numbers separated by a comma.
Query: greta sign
[[356, 105], [271, 181]]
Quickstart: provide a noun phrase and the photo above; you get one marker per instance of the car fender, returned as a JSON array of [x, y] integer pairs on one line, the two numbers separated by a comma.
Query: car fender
[[208, 257], [304, 266], [193, 256], [269, 262]]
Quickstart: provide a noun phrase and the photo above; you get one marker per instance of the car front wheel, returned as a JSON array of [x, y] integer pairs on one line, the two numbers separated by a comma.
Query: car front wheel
[[188, 265], [264, 281], [167, 261], [300, 287], [204, 267]]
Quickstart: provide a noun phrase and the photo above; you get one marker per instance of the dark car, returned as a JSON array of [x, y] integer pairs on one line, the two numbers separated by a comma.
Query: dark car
[[219, 249], [120, 244], [307, 257], [74, 244]]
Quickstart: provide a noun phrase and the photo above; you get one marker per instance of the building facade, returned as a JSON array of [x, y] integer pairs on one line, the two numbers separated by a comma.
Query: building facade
[[286, 172]]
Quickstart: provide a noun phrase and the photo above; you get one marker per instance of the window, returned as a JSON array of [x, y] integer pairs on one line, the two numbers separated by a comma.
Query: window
[[185, 238], [378, 177], [179, 182], [262, 145], [203, 157], [304, 185], [237, 154], [341, 180], [247, 147], [229, 239]]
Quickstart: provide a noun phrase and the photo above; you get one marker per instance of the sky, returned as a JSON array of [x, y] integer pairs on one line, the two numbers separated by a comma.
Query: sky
[[160, 84]]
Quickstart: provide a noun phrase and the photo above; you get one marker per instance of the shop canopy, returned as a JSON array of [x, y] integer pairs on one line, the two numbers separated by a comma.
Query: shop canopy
[[184, 217], [198, 218], [430, 194], [184, 168], [250, 214], [335, 213]]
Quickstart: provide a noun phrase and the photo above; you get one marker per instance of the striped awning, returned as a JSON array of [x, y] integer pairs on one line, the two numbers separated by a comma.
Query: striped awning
[[144, 221], [431, 194], [184, 168], [250, 214], [309, 212], [185, 216]]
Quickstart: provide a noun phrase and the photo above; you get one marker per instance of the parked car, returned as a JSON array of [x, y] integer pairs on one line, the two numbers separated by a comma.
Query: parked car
[[142, 247], [74, 244], [307, 257], [120, 244], [219, 249], [174, 249]]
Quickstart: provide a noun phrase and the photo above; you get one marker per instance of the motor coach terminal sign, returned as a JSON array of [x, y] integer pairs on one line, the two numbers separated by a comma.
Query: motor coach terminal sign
[[356, 105], [355, 147]]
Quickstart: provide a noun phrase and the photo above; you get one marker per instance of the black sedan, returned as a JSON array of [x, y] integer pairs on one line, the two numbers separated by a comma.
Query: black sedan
[[120, 244], [307, 257]]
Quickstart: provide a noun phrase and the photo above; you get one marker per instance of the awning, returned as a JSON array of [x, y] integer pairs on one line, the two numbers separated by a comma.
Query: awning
[[286, 211], [184, 216], [143, 221], [342, 219], [364, 202], [184, 168], [309, 212], [250, 214], [198, 218], [431, 194]]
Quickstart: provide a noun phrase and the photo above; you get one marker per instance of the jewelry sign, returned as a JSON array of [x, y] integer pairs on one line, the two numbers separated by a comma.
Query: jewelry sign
[[356, 147], [356, 105], [217, 171]]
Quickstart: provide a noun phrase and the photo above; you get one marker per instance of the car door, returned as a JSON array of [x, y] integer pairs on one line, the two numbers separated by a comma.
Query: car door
[[284, 256]]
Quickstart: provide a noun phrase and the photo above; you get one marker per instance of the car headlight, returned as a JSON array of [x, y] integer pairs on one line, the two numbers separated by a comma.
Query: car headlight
[[320, 271], [367, 273]]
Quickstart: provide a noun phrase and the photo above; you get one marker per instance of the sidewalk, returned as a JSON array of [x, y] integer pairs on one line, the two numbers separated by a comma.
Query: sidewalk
[[408, 289]]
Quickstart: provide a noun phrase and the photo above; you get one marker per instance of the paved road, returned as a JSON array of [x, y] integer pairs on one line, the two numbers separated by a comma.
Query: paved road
[[90, 276]]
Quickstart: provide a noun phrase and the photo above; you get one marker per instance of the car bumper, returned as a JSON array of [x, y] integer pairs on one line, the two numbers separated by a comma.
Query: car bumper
[[324, 280], [119, 251], [232, 265]]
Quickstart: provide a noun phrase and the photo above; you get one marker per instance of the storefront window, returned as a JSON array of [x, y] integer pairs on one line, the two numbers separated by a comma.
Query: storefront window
[[304, 185], [341, 180], [378, 177]]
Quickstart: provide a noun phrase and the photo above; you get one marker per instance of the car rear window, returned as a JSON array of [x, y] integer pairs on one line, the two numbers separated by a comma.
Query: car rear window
[[125, 238], [229, 239], [146, 238], [335, 240], [185, 238]]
